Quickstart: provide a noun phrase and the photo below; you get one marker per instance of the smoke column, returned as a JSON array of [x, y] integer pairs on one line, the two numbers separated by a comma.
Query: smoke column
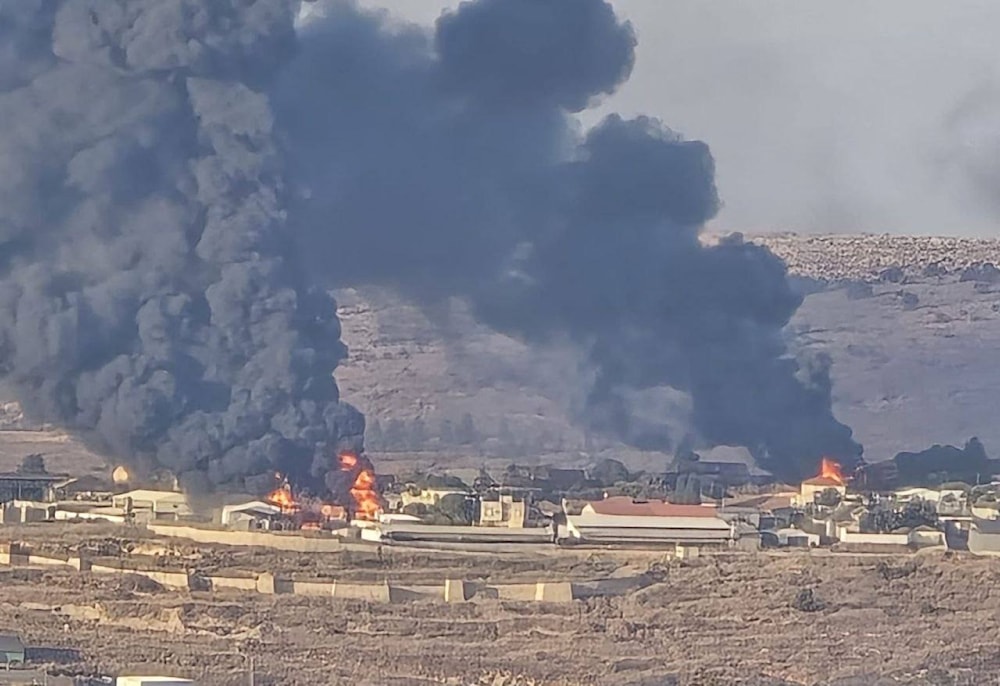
[[148, 297], [447, 163], [183, 180]]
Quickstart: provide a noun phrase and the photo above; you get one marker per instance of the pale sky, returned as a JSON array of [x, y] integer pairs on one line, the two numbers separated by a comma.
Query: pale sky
[[855, 115]]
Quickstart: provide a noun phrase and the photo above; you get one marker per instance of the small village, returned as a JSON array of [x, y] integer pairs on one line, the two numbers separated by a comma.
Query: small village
[[536, 536], [697, 507]]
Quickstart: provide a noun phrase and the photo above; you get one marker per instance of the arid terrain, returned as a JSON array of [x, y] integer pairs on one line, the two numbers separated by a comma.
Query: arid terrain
[[904, 324], [784, 618], [910, 366]]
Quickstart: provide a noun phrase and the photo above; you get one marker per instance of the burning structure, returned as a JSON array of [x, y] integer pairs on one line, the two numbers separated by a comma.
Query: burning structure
[[352, 495], [830, 477]]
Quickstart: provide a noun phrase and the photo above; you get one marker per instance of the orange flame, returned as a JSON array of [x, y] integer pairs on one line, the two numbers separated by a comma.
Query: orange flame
[[283, 498], [831, 470], [367, 504]]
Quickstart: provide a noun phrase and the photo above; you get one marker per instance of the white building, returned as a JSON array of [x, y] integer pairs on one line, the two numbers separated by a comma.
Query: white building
[[254, 514], [811, 488], [623, 520], [931, 495], [144, 504]]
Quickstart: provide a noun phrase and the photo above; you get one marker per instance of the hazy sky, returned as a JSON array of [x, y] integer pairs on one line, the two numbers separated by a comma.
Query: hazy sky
[[856, 115]]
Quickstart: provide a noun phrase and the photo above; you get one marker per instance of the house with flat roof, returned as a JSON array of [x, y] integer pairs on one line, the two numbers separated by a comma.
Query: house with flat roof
[[984, 537], [811, 488]]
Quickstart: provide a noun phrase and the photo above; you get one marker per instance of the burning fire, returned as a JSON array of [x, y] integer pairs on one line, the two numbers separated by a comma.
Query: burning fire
[[831, 470], [282, 497], [367, 504]]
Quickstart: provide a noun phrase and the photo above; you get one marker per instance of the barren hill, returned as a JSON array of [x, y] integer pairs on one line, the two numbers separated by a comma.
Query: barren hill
[[911, 324], [910, 336]]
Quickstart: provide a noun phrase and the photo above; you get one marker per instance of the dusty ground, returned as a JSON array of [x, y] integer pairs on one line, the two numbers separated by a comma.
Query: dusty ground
[[726, 620]]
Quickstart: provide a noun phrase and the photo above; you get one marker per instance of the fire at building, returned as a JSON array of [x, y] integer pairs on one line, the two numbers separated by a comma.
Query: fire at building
[[830, 477], [353, 496]]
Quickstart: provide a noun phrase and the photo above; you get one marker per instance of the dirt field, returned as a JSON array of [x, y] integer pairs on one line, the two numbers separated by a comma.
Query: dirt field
[[723, 620]]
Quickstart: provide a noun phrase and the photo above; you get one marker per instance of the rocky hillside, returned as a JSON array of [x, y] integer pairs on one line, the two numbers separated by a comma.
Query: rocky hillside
[[867, 256], [911, 324]]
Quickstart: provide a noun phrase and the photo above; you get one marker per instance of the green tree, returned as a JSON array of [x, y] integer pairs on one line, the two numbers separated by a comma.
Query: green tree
[[454, 506], [32, 464], [828, 497], [607, 472]]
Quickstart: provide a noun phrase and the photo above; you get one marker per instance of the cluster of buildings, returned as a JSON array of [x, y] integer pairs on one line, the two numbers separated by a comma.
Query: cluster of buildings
[[825, 511], [540, 505]]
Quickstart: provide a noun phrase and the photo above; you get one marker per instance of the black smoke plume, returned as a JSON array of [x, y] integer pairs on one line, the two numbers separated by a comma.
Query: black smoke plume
[[447, 163], [180, 176], [149, 296]]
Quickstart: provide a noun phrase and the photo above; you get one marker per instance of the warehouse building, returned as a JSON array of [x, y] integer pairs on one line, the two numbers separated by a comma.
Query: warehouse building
[[621, 520]]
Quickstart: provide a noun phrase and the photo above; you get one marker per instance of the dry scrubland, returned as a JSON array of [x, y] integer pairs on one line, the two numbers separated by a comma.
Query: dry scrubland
[[729, 620], [849, 256]]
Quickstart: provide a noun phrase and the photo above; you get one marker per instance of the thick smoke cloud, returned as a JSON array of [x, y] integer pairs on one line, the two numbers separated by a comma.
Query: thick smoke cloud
[[522, 52], [182, 179], [149, 297], [447, 163]]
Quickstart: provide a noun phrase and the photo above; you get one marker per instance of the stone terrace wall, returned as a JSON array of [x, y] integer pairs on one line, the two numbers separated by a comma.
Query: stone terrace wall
[[386, 592]]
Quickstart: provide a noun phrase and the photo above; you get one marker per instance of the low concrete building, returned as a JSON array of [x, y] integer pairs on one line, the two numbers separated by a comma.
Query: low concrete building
[[153, 505], [984, 537], [790, 537], [24, 511], [503, 509], [811, 488], [986, 509], [255, 514]]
